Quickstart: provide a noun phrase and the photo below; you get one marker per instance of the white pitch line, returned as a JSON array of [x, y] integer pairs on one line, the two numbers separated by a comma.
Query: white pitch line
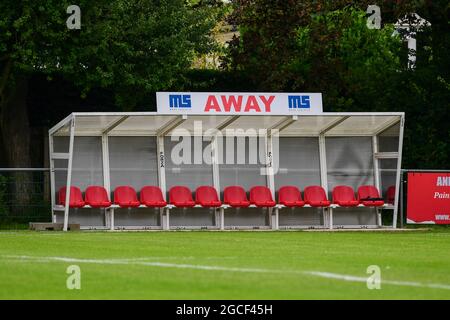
[[134, 262], [343, 277], [142, 262]]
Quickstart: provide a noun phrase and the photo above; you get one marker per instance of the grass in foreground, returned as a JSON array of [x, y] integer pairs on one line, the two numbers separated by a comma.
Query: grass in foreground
[[224, 265]]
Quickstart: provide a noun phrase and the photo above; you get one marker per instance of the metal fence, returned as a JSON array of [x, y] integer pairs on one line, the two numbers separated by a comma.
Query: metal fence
[[24, 197]]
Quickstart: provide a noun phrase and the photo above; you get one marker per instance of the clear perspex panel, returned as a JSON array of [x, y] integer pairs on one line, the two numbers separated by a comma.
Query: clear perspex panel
[[299, 163], [133, 162], [87, 170], [388, 140], [243, 164], [350, 163], [299, 166], [388, 175], [87, 167]]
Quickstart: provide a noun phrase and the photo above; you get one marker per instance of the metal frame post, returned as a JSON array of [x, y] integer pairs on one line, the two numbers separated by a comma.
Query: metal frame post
[[216, 178], [161, 164], [399, 165], [164, 212], [69, 175], [52, 176], [222, 218], [107, 179], [330, 215], [270, 178], [376, 172], [105, 161], [215, 164], [401, 195], [376, 166], [324, 177], [323, 163]]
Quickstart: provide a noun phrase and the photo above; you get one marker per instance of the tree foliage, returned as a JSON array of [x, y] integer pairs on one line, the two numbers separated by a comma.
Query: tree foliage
[[135, 47], [325, 46], [130, 45]]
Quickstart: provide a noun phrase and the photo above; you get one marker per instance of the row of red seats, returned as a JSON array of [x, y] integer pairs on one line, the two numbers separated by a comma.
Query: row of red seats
[[234, 196], [124, 196]]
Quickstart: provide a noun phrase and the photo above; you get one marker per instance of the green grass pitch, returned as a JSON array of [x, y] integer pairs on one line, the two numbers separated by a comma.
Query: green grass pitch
[[225, 265]]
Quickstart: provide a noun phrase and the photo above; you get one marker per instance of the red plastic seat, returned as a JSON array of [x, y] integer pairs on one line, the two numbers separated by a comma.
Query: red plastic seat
[[290, 196], [97, 197], [369, 196], [261, 196], [181, 196], [126, 197], [235, 196], [76, 198], [344, 196], [390, 195], [315, 196], [152, 196], [206, 196]]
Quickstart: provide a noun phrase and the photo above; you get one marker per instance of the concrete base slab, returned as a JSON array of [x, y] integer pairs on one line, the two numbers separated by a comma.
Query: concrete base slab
[[49, 226]]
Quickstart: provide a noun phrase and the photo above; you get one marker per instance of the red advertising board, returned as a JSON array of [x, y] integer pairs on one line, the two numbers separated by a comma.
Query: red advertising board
[[428, 198]]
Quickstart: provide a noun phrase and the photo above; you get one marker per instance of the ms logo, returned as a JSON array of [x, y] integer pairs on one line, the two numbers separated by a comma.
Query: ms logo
[[299, 102], [180, 101]]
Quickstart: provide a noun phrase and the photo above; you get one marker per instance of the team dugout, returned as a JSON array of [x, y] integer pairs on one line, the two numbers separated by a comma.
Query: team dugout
[[227, 161]]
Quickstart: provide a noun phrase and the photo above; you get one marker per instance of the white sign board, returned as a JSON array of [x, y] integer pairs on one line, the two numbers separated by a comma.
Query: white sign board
[[210, 103]]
